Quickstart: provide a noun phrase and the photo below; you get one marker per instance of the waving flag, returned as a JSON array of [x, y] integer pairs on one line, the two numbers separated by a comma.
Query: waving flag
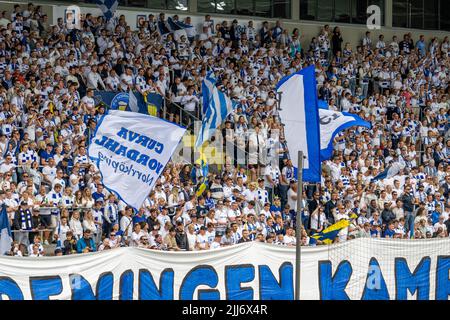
[[5, 232], [331, 123], [108, 7], [300, 115], [393, 169], [131, 150], [204, 166], [177, 25], [132, 101], [216, 106], [163, 28], [328, 235]]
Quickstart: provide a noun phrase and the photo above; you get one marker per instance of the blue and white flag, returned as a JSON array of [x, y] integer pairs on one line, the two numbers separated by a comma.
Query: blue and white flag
[[5, 232], [163, 28], [331, 123], [216, 107], [300, 115], [108, 7], [131, 150], [177, 25], [392, 170], [132, 101]]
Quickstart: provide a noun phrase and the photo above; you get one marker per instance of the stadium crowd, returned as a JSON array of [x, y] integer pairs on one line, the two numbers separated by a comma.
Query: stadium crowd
[[53, 192]]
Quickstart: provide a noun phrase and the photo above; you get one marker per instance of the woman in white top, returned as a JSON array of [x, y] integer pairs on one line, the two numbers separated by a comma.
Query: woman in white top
[[87, 201], [78, 199], [62, 230], [89, 223], [173, 197], [136, 235], [191, 236], [68, 198], [75, 225]]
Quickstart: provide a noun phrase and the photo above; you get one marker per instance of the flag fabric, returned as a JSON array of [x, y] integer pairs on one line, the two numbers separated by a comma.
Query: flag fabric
[[392, 170], [132, 102], [58, 242], [177, 25], [333, 122], [205, 168], [211, 82], [300, 115], [218, 107], [328, 235], [322, 104], [5, 232], [131, 151], [149, 103], [108, 7], [163, 28]]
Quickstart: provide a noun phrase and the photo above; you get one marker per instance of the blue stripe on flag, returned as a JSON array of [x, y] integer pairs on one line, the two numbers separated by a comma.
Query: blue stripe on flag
[[313, 173], [216, 107], [327, 152]]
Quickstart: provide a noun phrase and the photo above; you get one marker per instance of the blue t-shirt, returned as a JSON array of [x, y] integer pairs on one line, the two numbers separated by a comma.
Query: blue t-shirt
[[46, 155], [137, 219], [435, 217], [388, 233], [274, 208], [97, 195]]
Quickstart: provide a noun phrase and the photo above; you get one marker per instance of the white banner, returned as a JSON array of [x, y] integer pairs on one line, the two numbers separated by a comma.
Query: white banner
[[131, 151], [359, 269]]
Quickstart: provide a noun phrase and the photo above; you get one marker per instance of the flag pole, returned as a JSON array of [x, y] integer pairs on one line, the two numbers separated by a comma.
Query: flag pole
[[298, 224]]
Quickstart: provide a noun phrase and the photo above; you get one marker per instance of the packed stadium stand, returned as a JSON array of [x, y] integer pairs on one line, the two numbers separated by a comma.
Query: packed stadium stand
[[53, 84]]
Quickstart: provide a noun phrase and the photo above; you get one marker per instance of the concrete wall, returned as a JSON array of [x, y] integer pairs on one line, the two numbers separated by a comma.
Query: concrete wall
[[351, 33]]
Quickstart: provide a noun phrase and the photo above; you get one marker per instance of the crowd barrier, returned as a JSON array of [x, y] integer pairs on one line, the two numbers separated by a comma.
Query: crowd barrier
[[367, 269]]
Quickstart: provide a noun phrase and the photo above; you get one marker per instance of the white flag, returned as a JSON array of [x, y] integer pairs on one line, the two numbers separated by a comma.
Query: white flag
[[132, 102], [131, 150]]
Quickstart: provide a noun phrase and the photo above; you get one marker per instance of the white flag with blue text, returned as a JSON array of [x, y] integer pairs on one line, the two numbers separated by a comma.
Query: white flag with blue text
[[131, 150], [300, 115], [331, 123], [216, 107], [5, 232]]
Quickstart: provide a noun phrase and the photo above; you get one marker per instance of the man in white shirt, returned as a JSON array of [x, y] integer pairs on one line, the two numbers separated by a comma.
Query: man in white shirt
[[49, 171], [126, 80], [94, 80], [126, 225], [7, 165], [202, 239], [88, 99], [216, 243], [289, 238], [440, 224]]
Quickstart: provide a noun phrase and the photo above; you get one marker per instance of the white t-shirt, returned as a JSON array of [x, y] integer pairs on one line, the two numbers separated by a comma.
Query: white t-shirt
[[202, 240], [192, 239], [215, 245], [292, 202], [289, 240], [50, 173]]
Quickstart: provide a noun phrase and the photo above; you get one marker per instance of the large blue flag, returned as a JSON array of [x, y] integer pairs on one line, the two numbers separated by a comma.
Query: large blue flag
[[5, 232], [300, 115], [216, 107]]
